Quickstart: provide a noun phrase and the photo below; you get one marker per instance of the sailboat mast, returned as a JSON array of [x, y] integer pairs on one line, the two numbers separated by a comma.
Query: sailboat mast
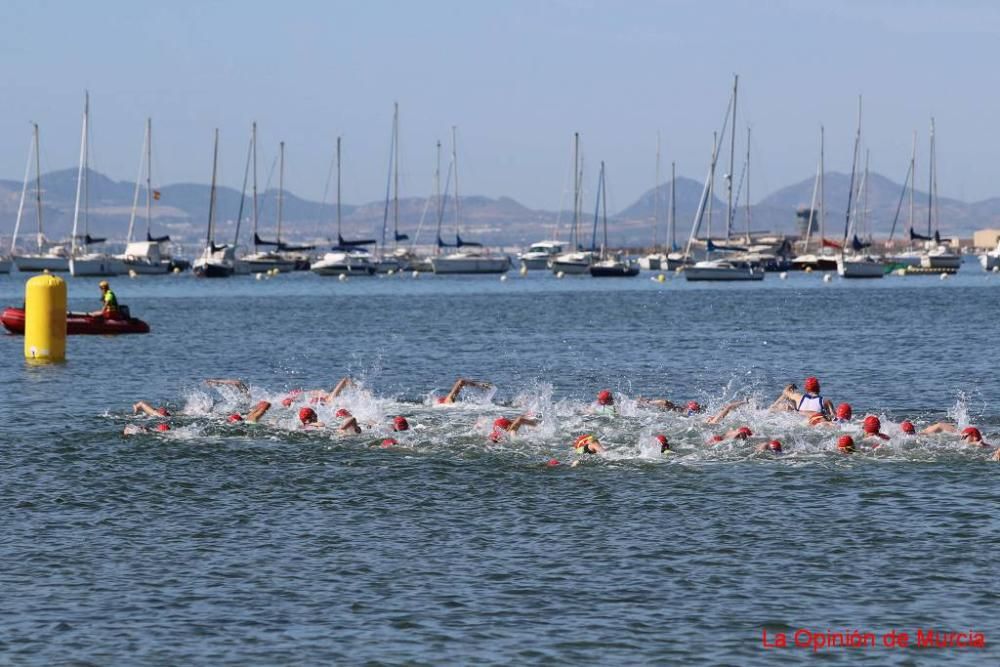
[[711, 185], [281, 185], [732, 162], [913, 178], [338, 192], [604, 211], [395, 175], [575, 241], [854, 168], [79, 173], [149, 175], [930, 181], [135, 193], [865, 221], [673, 205], [38, 188], [253, 151], [211, 196], [24, 193], [822, 182], [454, 161], [656, 194]]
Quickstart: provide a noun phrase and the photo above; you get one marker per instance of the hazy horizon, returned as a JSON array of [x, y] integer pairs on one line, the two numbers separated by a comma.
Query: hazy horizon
[[517, 79]]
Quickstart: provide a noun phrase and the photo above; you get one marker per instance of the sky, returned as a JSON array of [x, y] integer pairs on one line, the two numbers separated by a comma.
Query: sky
[[517, 78]]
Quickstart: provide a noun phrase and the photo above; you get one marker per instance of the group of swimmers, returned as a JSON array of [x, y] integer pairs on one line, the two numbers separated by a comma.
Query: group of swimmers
[[817, 412]]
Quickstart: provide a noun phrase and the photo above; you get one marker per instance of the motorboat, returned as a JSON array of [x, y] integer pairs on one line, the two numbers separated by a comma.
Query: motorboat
[[573, 263], [144, 258], [614, 267], [344, 263], [268, 260], [814, 262], [860, 266], [96, 264], [722, 270], [78, 324], [470, 261], [942, 258], [538, 256]]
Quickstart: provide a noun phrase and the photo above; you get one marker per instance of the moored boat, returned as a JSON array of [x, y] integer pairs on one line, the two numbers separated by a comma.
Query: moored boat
[[80, 324]]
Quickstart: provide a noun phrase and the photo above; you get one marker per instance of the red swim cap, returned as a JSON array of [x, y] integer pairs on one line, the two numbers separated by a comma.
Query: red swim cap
[[583, 440], [812, 385], [662, 439], [502, 423], [440, 399], [743, 433], [604, 397], [872, 425], [163, 427], [341, 412], [389, 442], [552, 463], [307, 415], [774, 445], [716, 438], [907, 426], [233, 418], [844, 411], [163, 412], [972, 434], [399, 423], [845, 443], [287, 401], [694, 406]]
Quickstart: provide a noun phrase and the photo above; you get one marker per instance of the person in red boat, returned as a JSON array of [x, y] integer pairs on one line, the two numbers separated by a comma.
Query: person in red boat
[[109, 303]]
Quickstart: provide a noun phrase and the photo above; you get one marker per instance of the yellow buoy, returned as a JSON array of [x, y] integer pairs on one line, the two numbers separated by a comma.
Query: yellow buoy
[[660, 278], [45, 318], [132, 273], [523, 270], [808, 269]]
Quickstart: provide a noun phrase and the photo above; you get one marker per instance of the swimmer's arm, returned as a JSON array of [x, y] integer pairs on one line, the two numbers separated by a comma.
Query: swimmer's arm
[[716, 418], [143, 406], [522, 421], [344, 383], [350, 425], [996, 455], [940, 427], [258, 411], [659, 403]]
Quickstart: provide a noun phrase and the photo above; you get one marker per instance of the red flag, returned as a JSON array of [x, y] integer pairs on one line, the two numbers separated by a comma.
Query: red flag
[[831, 244], [156, 195]]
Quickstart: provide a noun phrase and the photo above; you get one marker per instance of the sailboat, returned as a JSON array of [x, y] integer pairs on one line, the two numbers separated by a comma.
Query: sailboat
[[149, 256], [216, 261], [386, 262], [911, 257], [991, 260], [576, 261], [262, 261], [859, 264], [47, 257], [608, 265], [937, 255], [468, 256], [81, 261], [656, 260], [721, 269], [822, 260], [347, 257]]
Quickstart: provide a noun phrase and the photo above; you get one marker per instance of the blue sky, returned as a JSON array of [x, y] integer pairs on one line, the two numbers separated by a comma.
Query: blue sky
[[517, 78]]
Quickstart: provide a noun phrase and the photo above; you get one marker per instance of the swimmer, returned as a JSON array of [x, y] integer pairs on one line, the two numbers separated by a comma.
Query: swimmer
[[136, 429], [741, 433], [253, 416], [663, 443], [399, 423], [773, 447], [456, 389], [605, 403], [873, 428], [972, 436], [906, 426], [939, 427], [350, 423], [502, 426], [239, 385], [587, 444], [143, 406], [692, 408], [845, 444], [809, 401], [843, 414]]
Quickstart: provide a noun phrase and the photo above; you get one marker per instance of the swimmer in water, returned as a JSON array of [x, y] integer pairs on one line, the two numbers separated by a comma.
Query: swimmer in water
[[842, 415], [253, 416], [906, 426], [791, 399], [456, 389], [238, 385], [136, 429], [143, 406], [972, 436], [774, 447], [845, 444], [662, 442], [873, 428], [605, 403], [587, 444], [741, 433], [692, 408], [503, 426]]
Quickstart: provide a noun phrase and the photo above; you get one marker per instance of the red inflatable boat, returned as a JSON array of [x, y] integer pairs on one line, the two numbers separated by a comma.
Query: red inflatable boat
[[78, 324]]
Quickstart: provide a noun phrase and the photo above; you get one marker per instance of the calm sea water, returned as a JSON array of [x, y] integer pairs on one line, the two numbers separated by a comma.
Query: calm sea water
[[219, 544]]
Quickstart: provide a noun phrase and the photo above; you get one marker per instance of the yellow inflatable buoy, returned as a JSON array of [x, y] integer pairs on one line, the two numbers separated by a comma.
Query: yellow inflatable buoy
[[660, 278], [45, 318]]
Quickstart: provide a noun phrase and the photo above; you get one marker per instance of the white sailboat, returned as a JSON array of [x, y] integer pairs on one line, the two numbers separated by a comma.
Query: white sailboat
[[468, 257], [347, 257], [576, 261], [82, 262], [385, 261], [609, 265], [656, 260], [859, 264], [263, 261], [216, 261], [48, 256], [937, 255], [720, 269], [820, 260]]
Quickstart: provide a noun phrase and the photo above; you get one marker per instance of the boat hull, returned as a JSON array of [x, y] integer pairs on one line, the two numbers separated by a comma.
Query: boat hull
[[341, 264], [263, 265], [990, 261], [212, 269], [860, 268], [468, 265], [535, 263], [944, 261], [96, 265], [5, 265], [79, 324], [723, 274], [39, 263], [614, 271]]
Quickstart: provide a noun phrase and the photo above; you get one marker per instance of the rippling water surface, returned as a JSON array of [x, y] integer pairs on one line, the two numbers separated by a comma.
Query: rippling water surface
[[265, 544]]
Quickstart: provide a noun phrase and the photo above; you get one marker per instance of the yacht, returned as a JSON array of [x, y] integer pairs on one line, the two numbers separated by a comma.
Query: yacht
[[860, 266], [349, 262], [470, 261], [722, 269], [538, 257]]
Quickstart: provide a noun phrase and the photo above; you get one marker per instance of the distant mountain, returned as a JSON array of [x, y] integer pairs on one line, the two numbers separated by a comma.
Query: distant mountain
[[182, 212]]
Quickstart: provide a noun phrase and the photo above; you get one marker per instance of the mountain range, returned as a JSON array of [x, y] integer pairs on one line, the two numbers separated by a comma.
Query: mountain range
[[182, 212]]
